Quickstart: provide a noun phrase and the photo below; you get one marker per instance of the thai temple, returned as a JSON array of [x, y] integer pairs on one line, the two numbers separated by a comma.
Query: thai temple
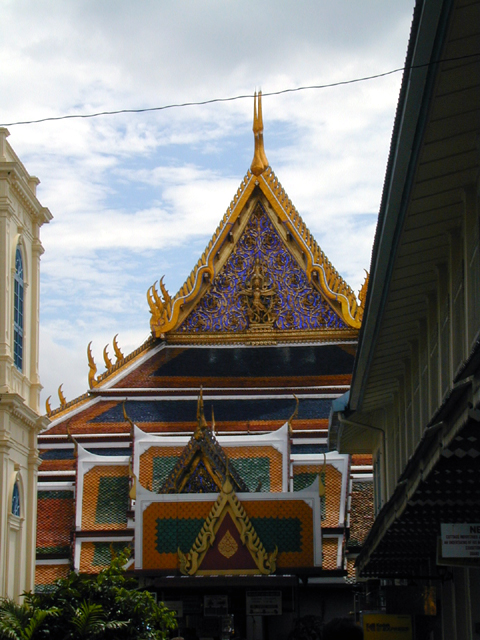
[[204, 451]]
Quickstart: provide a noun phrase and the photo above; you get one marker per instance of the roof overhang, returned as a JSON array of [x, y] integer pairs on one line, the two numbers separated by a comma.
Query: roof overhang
[[405, 256]]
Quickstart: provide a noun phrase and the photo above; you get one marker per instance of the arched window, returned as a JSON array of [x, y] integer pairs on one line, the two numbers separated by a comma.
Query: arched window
[[16, 499], [18, 289]]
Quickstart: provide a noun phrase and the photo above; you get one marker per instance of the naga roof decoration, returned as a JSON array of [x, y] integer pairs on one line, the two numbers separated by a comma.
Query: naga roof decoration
[[203, 466], [227, 506], [238, 267]]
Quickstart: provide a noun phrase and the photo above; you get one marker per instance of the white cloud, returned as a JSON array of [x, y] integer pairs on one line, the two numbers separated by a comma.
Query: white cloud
[[138, 196]]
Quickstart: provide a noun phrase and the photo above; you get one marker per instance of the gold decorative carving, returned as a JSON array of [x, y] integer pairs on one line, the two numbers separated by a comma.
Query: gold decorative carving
[[227, 545], [106, 358], [293, 416], [168, 313], [259, 162], [118, 354], [160, 308], [362, 295], [129, 420], [48, 407], [259, 294], [227, 502], [92, 368], [61, 396], [321, 486]]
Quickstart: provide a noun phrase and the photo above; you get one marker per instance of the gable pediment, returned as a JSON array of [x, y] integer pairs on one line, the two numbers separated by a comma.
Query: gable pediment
[[203, 465], [261, 273], [227, 542], [261, 287]]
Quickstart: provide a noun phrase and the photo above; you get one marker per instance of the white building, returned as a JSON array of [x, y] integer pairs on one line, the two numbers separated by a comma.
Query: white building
[[21, 216]]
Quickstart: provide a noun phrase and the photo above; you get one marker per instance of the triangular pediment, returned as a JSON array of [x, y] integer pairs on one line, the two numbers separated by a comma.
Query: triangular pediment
[[227, 542], [261, 275], [203, 465], [261, 287]]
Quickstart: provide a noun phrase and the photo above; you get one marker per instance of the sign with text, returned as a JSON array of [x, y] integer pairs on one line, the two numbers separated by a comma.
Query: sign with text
[[385, 626], [215, 605], [264, 603], [460, 540]]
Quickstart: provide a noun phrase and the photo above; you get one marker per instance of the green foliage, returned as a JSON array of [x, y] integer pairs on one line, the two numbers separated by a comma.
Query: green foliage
[[105, 606], [20, 621]]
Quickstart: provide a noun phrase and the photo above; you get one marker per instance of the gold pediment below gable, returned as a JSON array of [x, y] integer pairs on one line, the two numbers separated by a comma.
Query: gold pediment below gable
[[237, 535]]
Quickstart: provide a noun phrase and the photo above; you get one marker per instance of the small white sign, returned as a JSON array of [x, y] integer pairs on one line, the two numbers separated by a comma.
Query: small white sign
[[215, 605], [264, 603], [461, 540]]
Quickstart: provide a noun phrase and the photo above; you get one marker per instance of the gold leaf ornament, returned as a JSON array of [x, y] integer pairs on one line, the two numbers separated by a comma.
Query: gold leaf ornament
[[227, 545]]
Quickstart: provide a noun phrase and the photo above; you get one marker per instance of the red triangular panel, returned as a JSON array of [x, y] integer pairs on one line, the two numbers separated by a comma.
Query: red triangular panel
[[228, 552]]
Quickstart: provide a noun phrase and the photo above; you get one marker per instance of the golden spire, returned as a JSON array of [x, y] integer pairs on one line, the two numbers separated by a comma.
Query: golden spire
[[259, 162], [201, 422]]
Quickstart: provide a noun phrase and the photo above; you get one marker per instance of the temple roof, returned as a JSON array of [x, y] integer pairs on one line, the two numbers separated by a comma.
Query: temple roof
[[262, 280], [244, 269]]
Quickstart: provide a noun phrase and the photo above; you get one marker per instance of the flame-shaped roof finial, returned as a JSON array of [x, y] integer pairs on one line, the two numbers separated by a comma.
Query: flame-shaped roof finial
[[259, 162]]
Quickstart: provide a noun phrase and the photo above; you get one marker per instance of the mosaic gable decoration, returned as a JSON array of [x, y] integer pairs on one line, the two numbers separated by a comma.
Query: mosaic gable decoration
[[226, 535], [262, 268], [203, 465], [261, 286]]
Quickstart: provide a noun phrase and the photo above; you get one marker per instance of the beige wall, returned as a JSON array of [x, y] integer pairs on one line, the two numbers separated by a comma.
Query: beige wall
[[21, 216]]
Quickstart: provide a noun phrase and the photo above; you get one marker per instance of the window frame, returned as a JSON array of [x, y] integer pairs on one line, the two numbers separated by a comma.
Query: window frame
[[18, 308]]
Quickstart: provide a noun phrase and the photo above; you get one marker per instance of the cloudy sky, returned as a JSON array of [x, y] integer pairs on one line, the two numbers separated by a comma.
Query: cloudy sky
[[137, 196]]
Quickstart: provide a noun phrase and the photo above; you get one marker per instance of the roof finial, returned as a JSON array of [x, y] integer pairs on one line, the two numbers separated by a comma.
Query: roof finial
[[259, 162], [201, 422]]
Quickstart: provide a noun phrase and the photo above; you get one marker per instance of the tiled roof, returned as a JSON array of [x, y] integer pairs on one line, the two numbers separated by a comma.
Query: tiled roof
[[95, 556], [166, 526], [47, 574], [238, 410], [259, 467], [330, 554], [55, 520], [234, 362], [305, 474], [105, 498], [361, 514]]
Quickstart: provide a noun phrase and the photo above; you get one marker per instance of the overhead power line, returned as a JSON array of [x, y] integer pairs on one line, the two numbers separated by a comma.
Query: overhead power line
[[232, 98]]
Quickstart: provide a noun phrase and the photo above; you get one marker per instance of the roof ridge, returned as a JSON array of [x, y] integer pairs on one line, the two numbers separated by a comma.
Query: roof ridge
[[51, 413]]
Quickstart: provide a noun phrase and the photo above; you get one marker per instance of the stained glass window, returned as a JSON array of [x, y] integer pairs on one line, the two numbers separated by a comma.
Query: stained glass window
[[18, 288], [16, 499]]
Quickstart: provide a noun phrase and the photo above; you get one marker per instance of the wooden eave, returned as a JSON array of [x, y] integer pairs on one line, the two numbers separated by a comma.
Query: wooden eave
[[443, 166]]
